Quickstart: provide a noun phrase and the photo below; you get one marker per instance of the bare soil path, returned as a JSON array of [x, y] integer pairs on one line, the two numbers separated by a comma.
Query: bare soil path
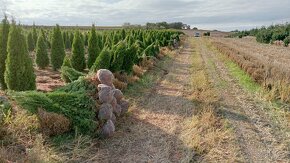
[[154, 129], [150, 132], [256, 135]]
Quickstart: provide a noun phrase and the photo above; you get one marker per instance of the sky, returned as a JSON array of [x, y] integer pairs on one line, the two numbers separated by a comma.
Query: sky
[[223, 15]]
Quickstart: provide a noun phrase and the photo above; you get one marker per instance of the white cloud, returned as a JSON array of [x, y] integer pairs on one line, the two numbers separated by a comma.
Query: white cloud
[[214, 14]]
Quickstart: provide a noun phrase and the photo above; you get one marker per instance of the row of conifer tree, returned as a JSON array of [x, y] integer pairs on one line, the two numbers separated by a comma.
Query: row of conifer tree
[[72, 51]]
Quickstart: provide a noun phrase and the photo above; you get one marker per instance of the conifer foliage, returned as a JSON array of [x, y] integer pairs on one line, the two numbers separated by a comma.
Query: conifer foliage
[[93, 48], [78, 61], [30, 42], [4, 31], [41, 59], [19, 74], [102, 61], [118, 57], [67, 41], [129, 58], [34, 34], [57, 48]]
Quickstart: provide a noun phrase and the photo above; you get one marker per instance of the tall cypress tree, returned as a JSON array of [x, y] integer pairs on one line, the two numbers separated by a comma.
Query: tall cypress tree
[[78, 61], [129, 58], [43, 33], [57, 48], [71, 37], [19, 73], [100, 41], [30, 42], [86, 39], [34, 34], [41, 59], [123, 34], [64, 37], [4, 31], [93, 48], [66, 64], [102, 61], [49, 38], [118, 56], [67, 41]]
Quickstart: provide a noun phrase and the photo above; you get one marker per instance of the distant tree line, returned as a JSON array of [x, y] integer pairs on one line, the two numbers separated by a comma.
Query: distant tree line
[[165, 25], [158, 25], [73, 51], [279, 32]]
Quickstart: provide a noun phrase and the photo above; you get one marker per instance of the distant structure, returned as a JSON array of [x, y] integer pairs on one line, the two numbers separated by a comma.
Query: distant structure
[[186, 27], [207, 33], [196, 34]]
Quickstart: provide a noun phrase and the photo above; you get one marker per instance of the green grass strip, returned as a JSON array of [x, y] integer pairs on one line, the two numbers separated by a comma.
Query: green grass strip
[[243, 78]]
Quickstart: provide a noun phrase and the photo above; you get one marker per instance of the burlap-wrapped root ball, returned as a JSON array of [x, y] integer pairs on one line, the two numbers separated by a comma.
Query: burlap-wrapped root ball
[[106, 93], [113, 118], [118, 95], [105, 112], [108, 129], [105, 77], [124, 106], [116, 108], [112, 103]]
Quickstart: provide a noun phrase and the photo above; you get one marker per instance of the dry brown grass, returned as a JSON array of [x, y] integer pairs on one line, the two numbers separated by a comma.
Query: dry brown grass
[[160, 56], [52, 123], [93, 78], [206, 132], [272, 76], [119, 84], [22, 141], [132, 79], [203, 91], [121, 76], [147, 63], [138, 71], [165, 51], [80, 149]]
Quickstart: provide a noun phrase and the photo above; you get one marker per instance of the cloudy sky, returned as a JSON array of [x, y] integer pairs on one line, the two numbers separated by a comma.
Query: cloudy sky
[[206, 14]]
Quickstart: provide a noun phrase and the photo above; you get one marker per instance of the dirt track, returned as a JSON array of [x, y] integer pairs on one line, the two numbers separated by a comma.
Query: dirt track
[[257, 137], [151, 134], [152, 131]]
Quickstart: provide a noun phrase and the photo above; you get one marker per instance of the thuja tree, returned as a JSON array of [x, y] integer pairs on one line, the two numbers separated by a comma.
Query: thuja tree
[[30, 42], [41, 59], [71, 38], [19, 74], [102, 61], [78, 61], [67, 41], [64, 37], [34, 34], [4, 31], [57, 49], [86, 39], [93, 48], [129, 58], [118, 56], [66, 64]]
